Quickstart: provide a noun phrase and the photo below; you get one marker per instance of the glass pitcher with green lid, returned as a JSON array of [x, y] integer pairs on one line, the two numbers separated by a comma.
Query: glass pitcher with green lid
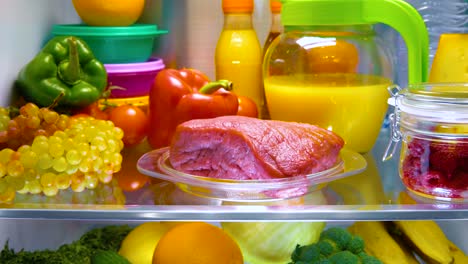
[[331, 69]]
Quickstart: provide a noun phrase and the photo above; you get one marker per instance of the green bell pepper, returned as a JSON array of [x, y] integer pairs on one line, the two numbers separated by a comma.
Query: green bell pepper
[[65, 72]]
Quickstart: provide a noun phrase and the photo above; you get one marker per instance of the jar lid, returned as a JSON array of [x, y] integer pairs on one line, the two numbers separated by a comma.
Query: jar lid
[[154, 64], [91, 31], [438, 101]]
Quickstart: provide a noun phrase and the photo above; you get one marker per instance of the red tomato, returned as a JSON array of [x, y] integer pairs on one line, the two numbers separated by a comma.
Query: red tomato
[[247, 107], [95, 111], [132, 120]]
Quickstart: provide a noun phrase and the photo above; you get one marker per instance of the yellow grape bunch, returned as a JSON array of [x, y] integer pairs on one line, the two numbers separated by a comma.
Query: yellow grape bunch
[[44, 152]]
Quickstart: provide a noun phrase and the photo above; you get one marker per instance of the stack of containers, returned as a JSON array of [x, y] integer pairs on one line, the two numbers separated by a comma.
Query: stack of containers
[[123, 46]]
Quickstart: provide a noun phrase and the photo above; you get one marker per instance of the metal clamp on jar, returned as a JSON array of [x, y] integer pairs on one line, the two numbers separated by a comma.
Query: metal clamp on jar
[[431, 121]]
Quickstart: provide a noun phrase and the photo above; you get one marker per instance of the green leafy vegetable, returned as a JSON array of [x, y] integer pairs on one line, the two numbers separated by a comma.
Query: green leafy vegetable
[[107, 238], [335, 246]]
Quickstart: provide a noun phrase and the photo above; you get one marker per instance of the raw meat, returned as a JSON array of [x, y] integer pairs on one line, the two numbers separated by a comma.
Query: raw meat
[[243, 148]]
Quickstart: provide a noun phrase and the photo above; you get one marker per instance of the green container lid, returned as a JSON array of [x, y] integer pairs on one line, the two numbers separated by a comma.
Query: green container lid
[[398, 14], [135, 30]]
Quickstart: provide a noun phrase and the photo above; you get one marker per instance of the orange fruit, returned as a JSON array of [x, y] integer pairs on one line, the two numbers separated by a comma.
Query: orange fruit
[[333, 56], [109, 12], [197, 242]]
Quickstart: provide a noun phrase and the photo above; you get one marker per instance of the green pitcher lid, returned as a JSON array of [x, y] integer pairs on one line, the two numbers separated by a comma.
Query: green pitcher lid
[[398, 14]]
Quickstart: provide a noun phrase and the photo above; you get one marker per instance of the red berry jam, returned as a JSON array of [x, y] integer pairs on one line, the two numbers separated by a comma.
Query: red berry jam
[[436, 168]]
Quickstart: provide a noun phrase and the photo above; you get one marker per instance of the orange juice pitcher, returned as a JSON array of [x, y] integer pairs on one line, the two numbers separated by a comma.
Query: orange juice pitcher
[[330, 68]]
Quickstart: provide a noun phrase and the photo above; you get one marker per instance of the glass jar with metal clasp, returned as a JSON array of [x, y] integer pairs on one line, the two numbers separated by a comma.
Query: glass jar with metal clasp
[[431, 122]]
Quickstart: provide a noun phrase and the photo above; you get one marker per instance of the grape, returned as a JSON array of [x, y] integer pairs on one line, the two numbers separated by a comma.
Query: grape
[[29, 159], [73, 157], [44, 152], [8, 195], [16, 183], [56, 150], [15, 168], [105, 177], [99, 142], [40, 145], [78, 187], [48, 179], [60, 164], [50, 117], [29, 109], [82, 148], [50, 190], [45, 161], [33, 122], [35, 187], [31, 174], [62, 181], [91, 180], [5, 155], [91, 131]]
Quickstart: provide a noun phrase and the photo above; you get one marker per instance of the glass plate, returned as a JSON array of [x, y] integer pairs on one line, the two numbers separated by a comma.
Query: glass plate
[[156, 164]]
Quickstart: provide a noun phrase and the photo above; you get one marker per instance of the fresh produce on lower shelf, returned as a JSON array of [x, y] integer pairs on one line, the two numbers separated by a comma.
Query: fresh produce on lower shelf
[[108, 238], [379, 243], [197, 242], [399, 242], [424, 238], [271, 242], [139, 245], [108, 257], [44, 152], [335, 246]]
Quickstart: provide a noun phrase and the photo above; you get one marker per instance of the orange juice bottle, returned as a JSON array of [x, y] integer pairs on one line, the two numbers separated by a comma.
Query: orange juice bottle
[[276, 27], [238, 56]]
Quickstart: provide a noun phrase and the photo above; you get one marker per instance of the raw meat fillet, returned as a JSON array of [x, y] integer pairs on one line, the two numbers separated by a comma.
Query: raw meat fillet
[[243, 148]]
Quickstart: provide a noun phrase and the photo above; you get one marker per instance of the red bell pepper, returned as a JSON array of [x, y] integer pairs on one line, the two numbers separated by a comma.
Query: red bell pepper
[[181, 95]]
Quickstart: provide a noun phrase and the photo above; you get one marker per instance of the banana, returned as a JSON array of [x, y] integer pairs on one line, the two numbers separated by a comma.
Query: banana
[[458, 255], [425, 238], [380, 244]]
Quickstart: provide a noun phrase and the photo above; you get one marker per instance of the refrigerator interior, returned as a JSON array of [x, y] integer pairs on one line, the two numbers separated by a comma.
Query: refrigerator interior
[[194, 29]]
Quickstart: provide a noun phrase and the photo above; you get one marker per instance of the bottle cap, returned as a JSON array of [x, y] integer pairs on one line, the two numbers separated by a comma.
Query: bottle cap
[[238, 6], [275, 6]]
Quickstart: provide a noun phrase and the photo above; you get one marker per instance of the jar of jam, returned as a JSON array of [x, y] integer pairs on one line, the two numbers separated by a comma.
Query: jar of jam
[[431, 122]]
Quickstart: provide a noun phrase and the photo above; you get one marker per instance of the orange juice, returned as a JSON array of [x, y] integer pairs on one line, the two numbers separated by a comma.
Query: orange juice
[[239, 59], [351, 105]]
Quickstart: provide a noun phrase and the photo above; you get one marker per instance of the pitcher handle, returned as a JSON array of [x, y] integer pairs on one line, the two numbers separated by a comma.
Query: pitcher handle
[[405, 19]]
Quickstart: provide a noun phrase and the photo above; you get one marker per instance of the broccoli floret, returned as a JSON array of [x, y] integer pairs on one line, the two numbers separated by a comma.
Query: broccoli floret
[[308, 253], [366, 259], [335, 246], [326, 248], [344, 257], [341, 237], [356, 245]]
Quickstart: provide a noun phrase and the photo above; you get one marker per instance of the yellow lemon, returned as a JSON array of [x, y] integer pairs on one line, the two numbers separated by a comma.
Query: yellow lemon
[[109, 12], [138, 246]]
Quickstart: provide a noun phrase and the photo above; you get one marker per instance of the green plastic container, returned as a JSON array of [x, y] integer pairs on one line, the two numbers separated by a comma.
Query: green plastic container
[[115, 44]]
